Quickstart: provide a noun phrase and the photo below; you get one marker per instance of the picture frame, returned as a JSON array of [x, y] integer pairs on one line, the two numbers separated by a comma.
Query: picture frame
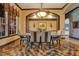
[[76, 24], [42, 25]]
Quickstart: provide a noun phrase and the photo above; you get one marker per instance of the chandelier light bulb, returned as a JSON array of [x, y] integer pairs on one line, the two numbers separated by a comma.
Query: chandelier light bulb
[[41, 14]]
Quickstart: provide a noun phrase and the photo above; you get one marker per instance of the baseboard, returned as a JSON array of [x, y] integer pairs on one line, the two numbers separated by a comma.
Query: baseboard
[[74, 37], [70, 37]]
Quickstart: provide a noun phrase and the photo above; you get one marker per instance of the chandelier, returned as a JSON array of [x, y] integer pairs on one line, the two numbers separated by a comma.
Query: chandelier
[[41, 12]]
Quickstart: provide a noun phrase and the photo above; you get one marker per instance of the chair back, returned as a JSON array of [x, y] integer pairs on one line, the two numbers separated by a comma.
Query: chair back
[[59, 33], [24, 37], [33, 36], [46, 36]]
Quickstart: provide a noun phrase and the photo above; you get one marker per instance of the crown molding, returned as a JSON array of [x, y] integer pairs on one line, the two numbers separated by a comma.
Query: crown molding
[[18, 6], [65, 5], [43, 8]]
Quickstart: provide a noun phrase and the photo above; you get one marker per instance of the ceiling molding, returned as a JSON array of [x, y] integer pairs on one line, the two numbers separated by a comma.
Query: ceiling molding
[[18, 6], [72, 10], [43, 8], [65, 5]]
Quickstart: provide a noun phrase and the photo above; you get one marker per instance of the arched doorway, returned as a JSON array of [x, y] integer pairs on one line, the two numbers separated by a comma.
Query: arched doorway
[[49, 22]]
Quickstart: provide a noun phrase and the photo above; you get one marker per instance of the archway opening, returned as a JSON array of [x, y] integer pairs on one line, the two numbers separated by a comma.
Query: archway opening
[[49, 22]]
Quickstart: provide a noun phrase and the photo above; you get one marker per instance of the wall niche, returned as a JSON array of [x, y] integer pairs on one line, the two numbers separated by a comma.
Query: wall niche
[[52, 21]]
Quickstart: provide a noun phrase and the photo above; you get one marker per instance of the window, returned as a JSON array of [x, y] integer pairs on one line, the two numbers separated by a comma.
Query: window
[[8, 20], [2, 21], [2, 26], [12, 21]]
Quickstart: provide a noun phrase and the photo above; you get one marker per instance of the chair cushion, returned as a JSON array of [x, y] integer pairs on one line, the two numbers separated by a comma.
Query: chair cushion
[[24, 37], [56, 37]]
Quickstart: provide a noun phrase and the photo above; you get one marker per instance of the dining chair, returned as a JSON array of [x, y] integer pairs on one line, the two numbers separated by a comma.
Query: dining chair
[[25, 39], [46, 38], [35, 38], [57, 37]]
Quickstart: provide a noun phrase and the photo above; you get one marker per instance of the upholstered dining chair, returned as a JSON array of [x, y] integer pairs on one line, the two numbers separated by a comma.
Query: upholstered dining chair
[[35, 38], [57, 37], [38, 38], [25, 39], [46, 38]]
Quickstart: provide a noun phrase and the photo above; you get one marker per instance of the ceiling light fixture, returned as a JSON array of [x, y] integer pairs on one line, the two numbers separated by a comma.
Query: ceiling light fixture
[[42, 12]]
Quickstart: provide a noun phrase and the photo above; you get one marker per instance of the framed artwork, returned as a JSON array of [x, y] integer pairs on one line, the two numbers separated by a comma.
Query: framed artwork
[[76, 24], [42, 25]]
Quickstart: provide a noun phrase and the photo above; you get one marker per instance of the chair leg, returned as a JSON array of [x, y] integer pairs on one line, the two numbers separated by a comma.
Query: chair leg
[[52, 42], [31, 44], [27, 44], [40, 45], [59, 43], [49, 44], [20, 44]]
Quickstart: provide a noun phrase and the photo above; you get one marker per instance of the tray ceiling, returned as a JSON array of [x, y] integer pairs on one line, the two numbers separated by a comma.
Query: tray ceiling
[[44, 5]]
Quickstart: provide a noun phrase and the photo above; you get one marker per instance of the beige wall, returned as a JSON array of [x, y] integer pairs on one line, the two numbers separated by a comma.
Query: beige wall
[[62, 17], [59, 12], [48, 23], [24, 14]]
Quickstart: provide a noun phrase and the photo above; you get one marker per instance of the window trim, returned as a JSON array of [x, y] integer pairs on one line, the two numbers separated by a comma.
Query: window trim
[[6, 17]]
